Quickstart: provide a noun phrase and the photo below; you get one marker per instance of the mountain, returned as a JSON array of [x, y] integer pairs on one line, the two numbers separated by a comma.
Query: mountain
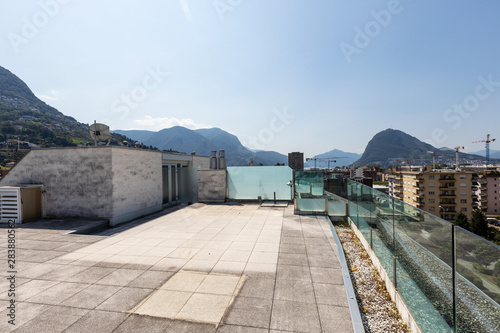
[[203, 141], [345, 160], [26, 118], [391, 147], [493, 153]]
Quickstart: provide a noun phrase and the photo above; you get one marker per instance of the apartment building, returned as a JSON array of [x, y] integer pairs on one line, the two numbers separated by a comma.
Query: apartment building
[[488, 194], [443, 193]]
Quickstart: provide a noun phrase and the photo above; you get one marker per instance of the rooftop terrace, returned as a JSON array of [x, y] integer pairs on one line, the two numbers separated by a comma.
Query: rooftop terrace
[[202, 268]]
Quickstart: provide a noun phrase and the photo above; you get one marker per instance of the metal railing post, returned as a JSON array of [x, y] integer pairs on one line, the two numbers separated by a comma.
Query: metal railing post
[[454, 275]]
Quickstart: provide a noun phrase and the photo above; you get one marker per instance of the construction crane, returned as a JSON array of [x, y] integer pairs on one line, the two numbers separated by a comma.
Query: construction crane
[[457, 149], [488, 140], [433, 159], [329, 159]]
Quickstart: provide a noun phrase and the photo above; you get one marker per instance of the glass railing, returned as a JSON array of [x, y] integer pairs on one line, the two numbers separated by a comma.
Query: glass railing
[[250, 183], [425, 249]]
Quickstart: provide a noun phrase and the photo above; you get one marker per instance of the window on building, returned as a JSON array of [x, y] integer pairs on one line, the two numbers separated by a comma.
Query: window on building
[[463, 176], [463, 184], [432, 200], [463, 209], [431, 184], [463, 200], [413, 183], [431, 192], [431, 176], [463, 192], [432, 208]]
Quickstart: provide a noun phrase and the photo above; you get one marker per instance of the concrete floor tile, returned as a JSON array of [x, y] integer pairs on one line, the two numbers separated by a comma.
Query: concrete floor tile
[[292, 240], [125, 299], [97, 321], [335, 318], [32, 288], [209, 254], [219, 284], [90, 297], [159, 251], [330, 294], [229, 267], [258, 287], [205, 308], [56, 294], [28, 310], [247, 311], [141, 262], [62, 274], [180, 326], [240, 329], [242, 246], [293, 272], [150, 279], [298, 259], [263, 257], [164, 303], [120, 277], [184, 281], [327, 275], [267, 247], [222, 245], [54, 319], [200, 265], [183, 253], [293, 248], [169, 264], [91, 275], [236, 255], [145, 323], [295, 290], [295, 317], [258, 270]]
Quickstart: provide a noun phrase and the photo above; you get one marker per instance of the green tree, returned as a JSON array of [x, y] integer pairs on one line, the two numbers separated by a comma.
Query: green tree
[[485, 254], [462, 221], [479, 223]]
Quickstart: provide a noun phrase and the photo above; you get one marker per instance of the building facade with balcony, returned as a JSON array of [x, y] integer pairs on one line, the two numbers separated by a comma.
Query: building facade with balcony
[[443, 193]]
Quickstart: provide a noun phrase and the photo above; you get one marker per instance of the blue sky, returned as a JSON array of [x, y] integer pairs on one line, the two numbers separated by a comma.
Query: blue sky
[[282, 75]]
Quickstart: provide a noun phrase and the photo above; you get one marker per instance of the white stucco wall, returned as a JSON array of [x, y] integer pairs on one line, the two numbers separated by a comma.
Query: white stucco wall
[[77, 182], [137, 183], [211, 185], [201, 162]]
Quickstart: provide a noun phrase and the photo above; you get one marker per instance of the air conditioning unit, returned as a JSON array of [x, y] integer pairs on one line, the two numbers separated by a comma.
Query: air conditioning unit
[[20, 204]]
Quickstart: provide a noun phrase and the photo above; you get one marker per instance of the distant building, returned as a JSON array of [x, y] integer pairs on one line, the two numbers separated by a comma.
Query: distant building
[[296, 161], [443, 193], [488, 194]]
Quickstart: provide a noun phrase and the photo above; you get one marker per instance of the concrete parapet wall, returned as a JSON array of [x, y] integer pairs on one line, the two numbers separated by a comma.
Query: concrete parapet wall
[[212, 185]]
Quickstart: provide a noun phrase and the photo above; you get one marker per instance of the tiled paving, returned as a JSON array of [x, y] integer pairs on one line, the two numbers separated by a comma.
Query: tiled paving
[[202, 268]]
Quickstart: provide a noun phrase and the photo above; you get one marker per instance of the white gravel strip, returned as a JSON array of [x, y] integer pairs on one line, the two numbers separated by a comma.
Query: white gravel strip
[[378, 311]]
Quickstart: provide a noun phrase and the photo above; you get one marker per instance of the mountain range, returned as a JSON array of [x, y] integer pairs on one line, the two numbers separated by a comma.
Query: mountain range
[[26, 118], [202, 142], [392, 147]]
